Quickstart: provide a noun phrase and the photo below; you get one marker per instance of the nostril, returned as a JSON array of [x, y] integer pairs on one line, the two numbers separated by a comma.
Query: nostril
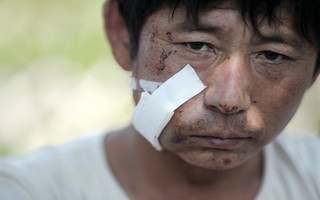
[[229, 109], [234, 108], [212, 108]]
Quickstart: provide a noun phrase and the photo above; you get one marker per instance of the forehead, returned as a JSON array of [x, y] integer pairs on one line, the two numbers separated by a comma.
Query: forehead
[[222, 15], [251, 12], [229, 16]]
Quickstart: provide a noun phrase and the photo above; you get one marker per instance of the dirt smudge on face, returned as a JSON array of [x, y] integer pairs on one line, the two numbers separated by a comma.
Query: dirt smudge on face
[[169, 36], [152, 37], [154, 33], [226, 161], [178, 136], [164, 55], [179, 112], [161, 65], [178, 139]]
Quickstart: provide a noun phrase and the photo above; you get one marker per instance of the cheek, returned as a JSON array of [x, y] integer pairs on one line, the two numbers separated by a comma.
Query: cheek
[[193, 117], [190, 111], [155, 58], [277, 104]]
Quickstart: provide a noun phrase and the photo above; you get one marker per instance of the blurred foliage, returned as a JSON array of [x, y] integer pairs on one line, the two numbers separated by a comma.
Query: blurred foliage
[[57, 78], [36, 28], [4, 150]]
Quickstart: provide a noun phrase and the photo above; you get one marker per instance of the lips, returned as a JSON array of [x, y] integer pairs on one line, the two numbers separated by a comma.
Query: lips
[[225, 135], [227, 143]]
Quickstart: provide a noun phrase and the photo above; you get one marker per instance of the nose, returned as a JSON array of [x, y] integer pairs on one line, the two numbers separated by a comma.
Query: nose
[[228, 86]]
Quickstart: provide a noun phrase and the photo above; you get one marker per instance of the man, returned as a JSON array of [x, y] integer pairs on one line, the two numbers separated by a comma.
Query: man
[[215, 83]]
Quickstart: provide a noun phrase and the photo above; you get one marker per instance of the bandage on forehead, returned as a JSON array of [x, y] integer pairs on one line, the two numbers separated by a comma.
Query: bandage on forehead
[[154, 111]]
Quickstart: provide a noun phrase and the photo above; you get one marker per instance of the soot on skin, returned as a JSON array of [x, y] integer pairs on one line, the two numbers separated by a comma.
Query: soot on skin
[[161, 65], [164, 55], [152, 38], [226, 161], [169, 36], [178, 139], [154, 33]]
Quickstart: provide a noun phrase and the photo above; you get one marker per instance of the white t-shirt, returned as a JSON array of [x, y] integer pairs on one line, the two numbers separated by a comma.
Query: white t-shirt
[[291, 169], [74, 171], [79, 171]]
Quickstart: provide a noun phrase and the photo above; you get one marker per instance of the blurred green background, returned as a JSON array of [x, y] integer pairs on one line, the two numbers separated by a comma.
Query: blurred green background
[[58, 80]]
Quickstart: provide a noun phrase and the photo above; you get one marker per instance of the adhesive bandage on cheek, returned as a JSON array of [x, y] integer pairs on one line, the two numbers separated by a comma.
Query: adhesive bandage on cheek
[[154, 111], [143, 85]]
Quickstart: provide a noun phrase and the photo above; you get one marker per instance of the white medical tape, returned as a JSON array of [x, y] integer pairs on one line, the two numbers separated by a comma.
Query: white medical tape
[[146, 86], [155, 110]]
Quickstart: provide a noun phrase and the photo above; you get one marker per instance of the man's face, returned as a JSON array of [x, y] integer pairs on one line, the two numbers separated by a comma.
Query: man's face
[[254, 82]]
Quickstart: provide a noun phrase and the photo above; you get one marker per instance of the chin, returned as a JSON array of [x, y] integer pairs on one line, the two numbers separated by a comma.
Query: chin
[[212, 159], [212, 153]]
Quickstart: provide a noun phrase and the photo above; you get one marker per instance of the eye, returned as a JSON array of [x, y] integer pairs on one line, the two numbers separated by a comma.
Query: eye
[[196, 51], [272, 56], [199, 46]]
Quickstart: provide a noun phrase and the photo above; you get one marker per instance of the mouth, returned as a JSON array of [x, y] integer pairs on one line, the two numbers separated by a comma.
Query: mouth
[[227, 143]]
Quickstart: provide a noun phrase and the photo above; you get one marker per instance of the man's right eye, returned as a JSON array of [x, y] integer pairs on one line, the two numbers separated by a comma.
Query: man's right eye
[[199, 46]]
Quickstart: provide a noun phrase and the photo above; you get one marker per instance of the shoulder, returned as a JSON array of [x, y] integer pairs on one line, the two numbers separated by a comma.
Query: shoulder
[[53, 173], [303, 150], [14, 183], [292, 168]]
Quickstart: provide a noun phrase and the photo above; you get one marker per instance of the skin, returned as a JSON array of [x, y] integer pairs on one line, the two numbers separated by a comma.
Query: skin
[[254, 86]]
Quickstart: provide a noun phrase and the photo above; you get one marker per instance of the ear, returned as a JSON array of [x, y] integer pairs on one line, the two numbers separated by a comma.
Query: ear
[[117, 33]]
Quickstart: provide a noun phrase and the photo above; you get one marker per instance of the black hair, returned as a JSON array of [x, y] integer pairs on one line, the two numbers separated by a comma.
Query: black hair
[[306, 15]]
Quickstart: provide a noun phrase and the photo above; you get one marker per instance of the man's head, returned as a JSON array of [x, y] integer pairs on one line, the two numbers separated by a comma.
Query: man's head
[[304, 14], [256, 58]]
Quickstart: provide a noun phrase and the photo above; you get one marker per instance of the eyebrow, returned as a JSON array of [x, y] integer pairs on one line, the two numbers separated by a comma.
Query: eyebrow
[[286, 39], [192, 27]]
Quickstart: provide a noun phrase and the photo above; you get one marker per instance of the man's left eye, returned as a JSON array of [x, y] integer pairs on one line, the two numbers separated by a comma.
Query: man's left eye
[[272, 56], [199, 46]]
